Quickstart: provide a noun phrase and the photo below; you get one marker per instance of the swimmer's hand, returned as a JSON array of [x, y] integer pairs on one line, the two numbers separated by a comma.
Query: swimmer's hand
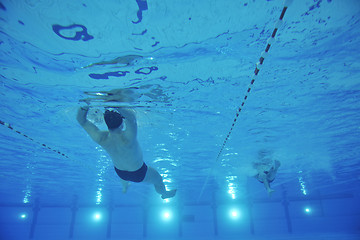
[[81, 115]]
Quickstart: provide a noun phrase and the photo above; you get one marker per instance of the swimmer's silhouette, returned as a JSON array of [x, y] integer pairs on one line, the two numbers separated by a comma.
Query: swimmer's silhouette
[[267, 169], [121, 144]]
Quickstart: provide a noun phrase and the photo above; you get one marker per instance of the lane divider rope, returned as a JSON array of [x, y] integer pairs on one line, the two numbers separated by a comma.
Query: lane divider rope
[[259, 64], [9, 126], [79, 162]]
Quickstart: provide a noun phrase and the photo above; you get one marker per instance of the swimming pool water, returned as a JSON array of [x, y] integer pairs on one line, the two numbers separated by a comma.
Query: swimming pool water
[[185, 67]]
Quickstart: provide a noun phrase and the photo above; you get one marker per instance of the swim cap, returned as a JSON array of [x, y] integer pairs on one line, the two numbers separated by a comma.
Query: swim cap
[[113, 119]]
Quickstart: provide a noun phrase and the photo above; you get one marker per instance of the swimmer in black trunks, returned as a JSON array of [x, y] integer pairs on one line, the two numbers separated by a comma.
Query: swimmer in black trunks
[[267, 170], [121, 144]]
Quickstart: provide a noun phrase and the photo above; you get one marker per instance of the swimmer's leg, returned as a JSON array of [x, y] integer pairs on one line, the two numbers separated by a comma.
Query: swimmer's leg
[[268, 188], [153, 177], [125, 185]]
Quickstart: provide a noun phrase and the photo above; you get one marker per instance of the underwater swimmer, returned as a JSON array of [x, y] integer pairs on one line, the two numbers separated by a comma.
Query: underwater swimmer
[[121, 144], [266, 172]]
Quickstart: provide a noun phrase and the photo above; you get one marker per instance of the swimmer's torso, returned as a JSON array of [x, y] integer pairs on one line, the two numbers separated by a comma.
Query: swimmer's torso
[[125, 153]]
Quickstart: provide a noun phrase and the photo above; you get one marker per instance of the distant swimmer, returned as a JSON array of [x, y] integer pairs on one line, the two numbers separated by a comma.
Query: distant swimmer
[[121, 144], [267, 170], [124, 61]]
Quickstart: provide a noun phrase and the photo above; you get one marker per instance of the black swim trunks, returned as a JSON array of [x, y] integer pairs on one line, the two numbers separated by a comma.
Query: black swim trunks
[[133, 176]]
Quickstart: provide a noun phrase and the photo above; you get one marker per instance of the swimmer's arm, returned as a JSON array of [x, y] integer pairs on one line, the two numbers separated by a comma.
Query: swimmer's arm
[[97, 135], [268, 188]]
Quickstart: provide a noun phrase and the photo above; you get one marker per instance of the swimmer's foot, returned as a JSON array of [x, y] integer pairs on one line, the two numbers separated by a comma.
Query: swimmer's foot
[[270, 192], [168, 194]]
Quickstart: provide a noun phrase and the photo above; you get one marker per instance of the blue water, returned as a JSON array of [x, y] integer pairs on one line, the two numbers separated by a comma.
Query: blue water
[[191, 66]]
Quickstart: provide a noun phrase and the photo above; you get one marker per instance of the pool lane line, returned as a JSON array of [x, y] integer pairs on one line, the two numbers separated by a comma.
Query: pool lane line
[[259, 64], [9, 126]]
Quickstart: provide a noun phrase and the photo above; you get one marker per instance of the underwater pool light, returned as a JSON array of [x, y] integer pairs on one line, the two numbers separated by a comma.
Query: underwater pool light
[[97, 216], [234, 214], [166, 215], [307, 210], [23, 216]]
